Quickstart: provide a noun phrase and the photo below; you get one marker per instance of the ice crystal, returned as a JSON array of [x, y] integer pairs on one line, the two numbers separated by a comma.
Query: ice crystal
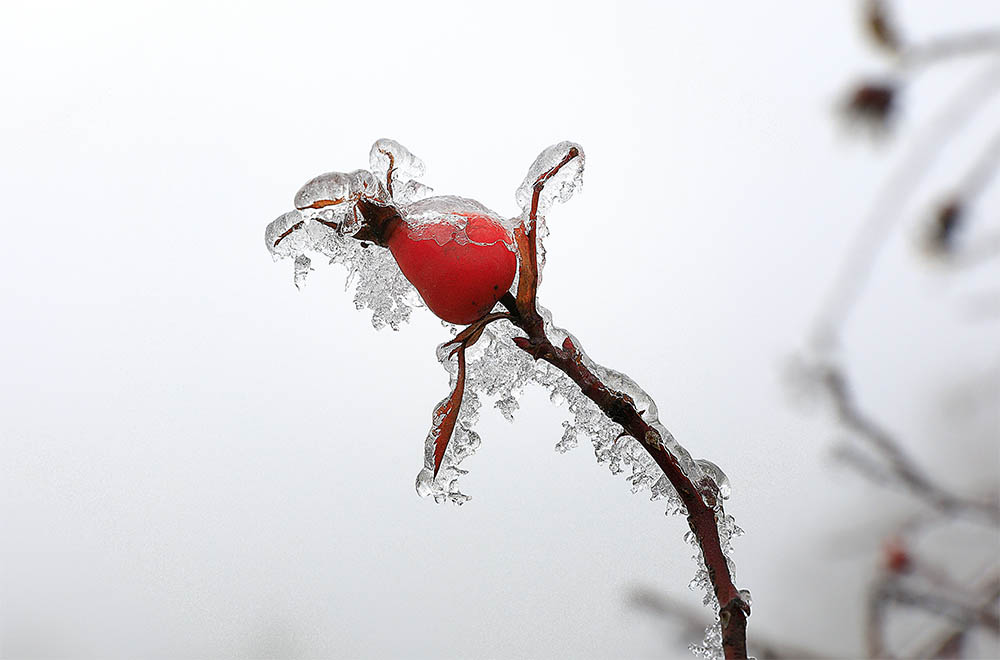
[[711, 647], [303, 266], [393, 163], [378, 284], [445, 218], [560, 187], [336, 189], [496, 370]]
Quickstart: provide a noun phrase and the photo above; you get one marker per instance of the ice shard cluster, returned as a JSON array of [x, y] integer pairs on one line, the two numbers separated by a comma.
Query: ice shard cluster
[[497, 371]]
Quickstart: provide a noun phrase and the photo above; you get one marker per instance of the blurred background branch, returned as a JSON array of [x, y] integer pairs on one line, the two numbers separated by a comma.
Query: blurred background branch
[[905, 579]]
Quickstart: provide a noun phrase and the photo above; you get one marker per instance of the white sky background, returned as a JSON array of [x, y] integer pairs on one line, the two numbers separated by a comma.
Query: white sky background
[[197, 460]]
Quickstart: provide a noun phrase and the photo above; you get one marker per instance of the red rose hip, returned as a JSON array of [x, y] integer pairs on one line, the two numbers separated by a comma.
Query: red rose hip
[[460, 264]]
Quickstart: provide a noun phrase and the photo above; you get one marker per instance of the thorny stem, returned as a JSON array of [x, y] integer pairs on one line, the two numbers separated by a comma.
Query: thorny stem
[[733, 611]]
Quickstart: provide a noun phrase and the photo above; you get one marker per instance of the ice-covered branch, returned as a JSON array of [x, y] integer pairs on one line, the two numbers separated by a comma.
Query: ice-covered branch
[[702, 505], [467, 264]]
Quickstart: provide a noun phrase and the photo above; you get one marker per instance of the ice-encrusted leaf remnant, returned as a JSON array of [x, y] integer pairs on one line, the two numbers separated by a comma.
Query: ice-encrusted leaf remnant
[[336, 189], [399, 169], [561, 186]]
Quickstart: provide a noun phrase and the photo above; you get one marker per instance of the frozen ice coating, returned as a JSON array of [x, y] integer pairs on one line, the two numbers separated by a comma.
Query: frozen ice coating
[[398, 168], [336, 189], [718, 477], [567, 181], [497, 371], [445, 218]]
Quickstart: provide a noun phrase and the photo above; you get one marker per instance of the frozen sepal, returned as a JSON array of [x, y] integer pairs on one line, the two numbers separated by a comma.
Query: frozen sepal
[[337, 191], [561, 185], [291, 234], [398, 169]]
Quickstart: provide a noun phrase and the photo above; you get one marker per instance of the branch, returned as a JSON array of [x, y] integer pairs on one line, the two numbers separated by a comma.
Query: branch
[[900, 467], [949, 645], [527, 243], [889, 589], [943, 48], [953, 213], [695, 619], [875, 228], [619, 408]]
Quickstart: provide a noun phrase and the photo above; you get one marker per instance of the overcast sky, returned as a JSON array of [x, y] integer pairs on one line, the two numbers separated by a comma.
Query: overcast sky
[[199, 460]]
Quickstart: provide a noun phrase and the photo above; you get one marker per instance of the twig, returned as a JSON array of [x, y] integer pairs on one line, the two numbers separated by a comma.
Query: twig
[[875, 228], [762, 647], [620, 408], [982, 170], [949, 644], [875, 613], [900, 467], [943, 48], [961, 613]]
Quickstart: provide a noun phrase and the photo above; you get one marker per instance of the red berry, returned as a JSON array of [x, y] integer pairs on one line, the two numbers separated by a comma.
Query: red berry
[[459, 272]]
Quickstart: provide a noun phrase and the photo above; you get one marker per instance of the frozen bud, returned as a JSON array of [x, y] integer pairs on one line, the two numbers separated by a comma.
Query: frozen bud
[[336, 189], [559, 170]]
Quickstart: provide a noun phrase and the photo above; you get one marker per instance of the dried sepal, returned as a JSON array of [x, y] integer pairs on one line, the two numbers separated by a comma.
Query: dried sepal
[[446, 413]]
